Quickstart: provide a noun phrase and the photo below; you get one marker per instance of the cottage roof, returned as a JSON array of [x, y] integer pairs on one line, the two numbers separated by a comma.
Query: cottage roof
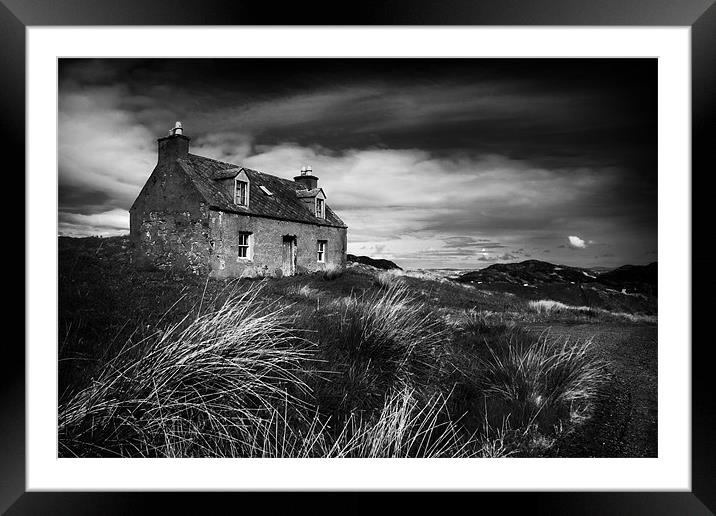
[[208, 176], [309, 193]]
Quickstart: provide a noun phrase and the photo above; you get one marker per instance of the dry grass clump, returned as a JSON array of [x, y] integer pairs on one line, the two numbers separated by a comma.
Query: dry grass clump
[[427, 276], [196, 389], [304, 291], [481, 322], [539, 383], [374, 342], [519, 391], [388, 279], [548, 307], [636, 318], [332, 272], [496, 441], [405, 426]]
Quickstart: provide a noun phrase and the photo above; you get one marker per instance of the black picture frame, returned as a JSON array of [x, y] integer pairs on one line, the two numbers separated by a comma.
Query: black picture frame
[[699, 15]]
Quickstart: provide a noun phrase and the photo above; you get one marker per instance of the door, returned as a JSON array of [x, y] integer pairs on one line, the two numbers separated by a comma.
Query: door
[[288, 265]]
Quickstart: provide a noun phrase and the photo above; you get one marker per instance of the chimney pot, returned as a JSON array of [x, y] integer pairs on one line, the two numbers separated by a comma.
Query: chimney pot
[[307, 178], [173, 146]]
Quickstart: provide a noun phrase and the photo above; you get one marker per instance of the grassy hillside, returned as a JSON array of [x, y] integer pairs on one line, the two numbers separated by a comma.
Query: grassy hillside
[[367, 363]]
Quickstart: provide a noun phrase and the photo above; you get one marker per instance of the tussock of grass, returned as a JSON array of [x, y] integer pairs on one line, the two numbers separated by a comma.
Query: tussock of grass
[[304, 291], [534, 389], [549, 307], [540, 382], [388, 279], [405, 427], [332, 272], [484, 322], [375, 342], [191, 390]]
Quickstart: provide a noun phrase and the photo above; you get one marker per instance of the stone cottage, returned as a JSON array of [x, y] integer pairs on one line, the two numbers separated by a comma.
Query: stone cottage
[[213, 217]]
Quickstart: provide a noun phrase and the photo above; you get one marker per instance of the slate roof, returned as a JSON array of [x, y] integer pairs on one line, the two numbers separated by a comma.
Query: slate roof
[[207, 175], [309, 193]]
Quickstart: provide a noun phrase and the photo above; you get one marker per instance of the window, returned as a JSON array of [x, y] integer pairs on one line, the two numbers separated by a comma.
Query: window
[[320, 208], [245, 245], [322, 251], [241, 193], [266, 190]]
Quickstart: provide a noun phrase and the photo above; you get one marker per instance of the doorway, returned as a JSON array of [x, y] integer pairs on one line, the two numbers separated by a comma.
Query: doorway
[[288, 264]]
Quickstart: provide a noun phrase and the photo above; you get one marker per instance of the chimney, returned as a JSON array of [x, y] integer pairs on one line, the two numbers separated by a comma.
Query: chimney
[[307, 178], [174, 146]]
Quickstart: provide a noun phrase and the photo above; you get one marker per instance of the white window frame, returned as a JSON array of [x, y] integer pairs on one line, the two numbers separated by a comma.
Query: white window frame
[[320, 208], [321, 256], [248, 245], [237, 182]]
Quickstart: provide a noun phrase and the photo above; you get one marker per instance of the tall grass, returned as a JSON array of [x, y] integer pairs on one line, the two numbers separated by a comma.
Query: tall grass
[[371, 374], [540, 382], [375, 342], [405, 426], [389, 278], [196, 389], [533, 388]]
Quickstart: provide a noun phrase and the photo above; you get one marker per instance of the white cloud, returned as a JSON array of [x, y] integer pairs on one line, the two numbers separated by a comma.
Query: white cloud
[[576, 242], [102, 148], [109, 223]]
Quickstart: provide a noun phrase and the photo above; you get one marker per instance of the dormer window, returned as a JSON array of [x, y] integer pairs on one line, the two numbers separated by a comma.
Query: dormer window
[[241, 189], [320, 208], [241, 193]]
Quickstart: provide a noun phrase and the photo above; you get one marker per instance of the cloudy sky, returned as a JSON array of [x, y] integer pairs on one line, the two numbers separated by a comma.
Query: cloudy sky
[[431, 163]]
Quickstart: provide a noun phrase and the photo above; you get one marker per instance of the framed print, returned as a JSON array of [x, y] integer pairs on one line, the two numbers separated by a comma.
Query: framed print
[[414, 250]]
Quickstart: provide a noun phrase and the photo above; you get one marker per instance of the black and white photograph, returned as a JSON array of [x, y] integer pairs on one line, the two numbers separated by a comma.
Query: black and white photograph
[[357, 257]]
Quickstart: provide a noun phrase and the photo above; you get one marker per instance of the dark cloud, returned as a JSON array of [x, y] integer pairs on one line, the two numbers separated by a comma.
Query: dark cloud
[[79, 199], [575, 112]]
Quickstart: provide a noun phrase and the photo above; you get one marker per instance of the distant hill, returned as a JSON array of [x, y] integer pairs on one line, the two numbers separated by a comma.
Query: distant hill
[[642, 278], [529, 271], [374, 262], [632, 277]]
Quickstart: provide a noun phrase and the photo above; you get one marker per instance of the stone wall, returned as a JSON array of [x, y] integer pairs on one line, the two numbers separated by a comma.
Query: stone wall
[[267, 245], [169, 223]]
